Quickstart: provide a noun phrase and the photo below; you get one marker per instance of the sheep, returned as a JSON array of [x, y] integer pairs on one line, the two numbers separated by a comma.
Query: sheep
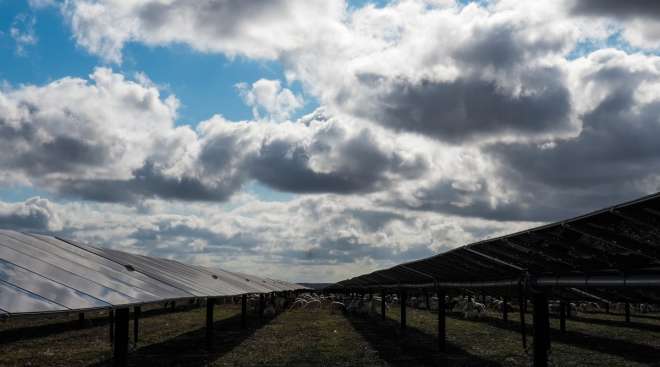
[[588, 307], [473, 309], [337, 306], [269, 311]]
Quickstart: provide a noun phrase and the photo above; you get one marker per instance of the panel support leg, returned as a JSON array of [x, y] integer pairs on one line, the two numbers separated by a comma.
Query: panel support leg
[[243, 311], [81, 319], [137, 311], [382, 306], [442, 322], [505, 309], [111, 322], [120, 350], [210, 305], [403, 300], [562, 316], [627, 312], [541, 330], [261, 307]]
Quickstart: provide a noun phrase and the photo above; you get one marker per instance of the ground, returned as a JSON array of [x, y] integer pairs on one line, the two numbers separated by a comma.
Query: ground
[[318, 338]]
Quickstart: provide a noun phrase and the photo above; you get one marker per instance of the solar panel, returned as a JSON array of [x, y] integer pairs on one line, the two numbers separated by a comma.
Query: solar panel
[[43, 274], [605, 246]]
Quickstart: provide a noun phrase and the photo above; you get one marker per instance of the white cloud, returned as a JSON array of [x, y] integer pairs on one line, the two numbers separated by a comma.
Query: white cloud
[[22, 31], [112, 139], [269, 100], [35, 214], [104, 127], [636, 20], [234, 27], [39, 4]]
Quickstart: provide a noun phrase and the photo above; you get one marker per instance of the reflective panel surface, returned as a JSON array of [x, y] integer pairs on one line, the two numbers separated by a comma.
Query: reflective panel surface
[[16, 300], [46, 288]]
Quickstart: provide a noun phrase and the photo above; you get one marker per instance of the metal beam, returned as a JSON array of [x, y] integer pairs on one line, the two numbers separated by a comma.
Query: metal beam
[[572, 281], [494, 259]]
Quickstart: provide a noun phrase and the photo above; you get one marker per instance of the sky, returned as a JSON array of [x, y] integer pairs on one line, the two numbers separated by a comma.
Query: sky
[[316, 140]]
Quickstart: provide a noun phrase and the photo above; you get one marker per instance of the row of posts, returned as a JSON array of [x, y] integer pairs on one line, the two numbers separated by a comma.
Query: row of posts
[[119, 319], [540, 316]]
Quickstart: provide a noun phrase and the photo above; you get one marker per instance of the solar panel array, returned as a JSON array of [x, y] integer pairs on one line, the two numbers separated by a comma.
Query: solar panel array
[[618, 247], [42, 274]]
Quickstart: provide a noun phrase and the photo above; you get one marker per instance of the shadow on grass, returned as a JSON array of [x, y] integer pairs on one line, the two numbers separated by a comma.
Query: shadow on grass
[[628, 350], [190, 349], [41, 331], [640, 316], [617, 323], [414, 348]]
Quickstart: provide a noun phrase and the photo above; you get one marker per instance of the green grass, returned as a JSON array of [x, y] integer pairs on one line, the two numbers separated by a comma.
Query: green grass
[[317, 338]]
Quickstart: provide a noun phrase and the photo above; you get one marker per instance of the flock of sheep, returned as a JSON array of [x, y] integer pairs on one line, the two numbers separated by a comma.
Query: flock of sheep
[[465, 305]]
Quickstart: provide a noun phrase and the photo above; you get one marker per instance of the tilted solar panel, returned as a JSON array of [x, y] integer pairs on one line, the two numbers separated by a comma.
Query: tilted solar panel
[[617, 247], [44, 274]]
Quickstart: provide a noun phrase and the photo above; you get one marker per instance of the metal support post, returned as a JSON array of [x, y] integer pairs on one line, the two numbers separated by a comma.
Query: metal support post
[[120, 350], [442, 322], [541, 330]]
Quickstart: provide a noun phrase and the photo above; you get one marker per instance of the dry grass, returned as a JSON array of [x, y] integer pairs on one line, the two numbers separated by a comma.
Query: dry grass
[[306, 338]]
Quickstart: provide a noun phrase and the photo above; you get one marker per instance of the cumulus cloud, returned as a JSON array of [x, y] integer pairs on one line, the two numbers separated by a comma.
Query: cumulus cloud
[[114, 140], [614, 158], [328, 155], [105, 127], [235, 27], [455, 73], [35, 214], [636, 19], [458, 74], [269, 100]]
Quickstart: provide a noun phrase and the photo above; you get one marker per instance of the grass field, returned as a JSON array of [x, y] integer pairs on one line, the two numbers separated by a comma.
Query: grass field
[[317, 338]]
